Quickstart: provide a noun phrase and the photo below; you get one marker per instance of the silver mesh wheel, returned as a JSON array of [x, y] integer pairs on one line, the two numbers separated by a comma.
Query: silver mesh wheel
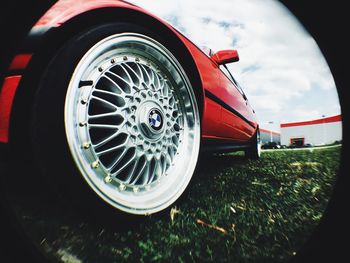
[[132, 123]]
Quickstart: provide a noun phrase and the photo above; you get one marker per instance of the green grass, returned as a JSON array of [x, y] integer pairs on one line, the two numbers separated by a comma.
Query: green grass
[[235, 210]]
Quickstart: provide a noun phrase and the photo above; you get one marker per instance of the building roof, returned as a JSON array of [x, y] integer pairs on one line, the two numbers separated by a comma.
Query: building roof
[[331, 119]]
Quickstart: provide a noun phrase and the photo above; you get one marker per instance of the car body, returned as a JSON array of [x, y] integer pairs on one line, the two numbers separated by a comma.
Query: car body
[[148, 62]]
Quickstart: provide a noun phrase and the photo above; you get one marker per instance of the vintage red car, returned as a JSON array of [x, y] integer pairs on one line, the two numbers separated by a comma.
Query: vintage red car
[[112, 101]]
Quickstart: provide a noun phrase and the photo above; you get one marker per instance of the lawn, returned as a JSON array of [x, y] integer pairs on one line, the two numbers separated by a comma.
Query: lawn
[[236, 210]]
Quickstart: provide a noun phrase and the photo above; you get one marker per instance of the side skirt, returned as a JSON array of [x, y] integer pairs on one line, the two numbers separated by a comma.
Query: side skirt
[[223, 146]]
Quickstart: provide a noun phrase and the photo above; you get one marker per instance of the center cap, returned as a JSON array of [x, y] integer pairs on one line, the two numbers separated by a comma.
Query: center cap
[[151, 120], [155, 120]]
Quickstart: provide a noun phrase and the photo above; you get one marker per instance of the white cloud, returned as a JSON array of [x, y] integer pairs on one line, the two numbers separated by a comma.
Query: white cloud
[[279, 62]]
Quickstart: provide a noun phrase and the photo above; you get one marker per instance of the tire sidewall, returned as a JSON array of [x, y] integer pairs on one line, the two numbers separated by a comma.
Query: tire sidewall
[[254, 151]]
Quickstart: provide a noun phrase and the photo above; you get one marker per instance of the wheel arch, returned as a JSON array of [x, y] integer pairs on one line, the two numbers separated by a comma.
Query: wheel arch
[[50, 39]]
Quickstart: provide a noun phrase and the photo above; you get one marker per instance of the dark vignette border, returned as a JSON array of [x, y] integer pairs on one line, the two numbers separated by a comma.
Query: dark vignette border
[[324, 20], [16, 19]]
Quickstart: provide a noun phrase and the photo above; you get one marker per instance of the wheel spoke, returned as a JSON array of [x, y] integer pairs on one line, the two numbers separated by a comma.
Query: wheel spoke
[[133, 71], [104, 101], [120, 78], [115, 84], [111, 149], [115, 163], [131, 82], [131, 174], [104, 126], [119, 170], [109, 93], [145, 70], [102, 115], [154, 171], [137, 177], [106, 140], [146, 172]]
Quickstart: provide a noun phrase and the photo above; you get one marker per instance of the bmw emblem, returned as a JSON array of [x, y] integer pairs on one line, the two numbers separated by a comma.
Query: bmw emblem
[[155, 119]]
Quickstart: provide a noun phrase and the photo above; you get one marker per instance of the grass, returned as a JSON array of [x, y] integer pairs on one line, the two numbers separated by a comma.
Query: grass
[[236, 210]]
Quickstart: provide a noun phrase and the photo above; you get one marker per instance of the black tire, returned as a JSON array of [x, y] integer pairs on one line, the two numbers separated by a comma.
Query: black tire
[[254, 151], [52, 151]]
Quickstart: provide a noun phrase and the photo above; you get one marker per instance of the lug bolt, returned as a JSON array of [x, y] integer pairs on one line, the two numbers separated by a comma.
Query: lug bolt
[[95, 164], [100, 69], [122, 187], [125, 58], [82, 124], [86, 145], [108, 179]]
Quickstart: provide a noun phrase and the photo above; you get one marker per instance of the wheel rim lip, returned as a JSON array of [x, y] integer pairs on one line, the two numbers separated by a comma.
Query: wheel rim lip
[[130, 203]]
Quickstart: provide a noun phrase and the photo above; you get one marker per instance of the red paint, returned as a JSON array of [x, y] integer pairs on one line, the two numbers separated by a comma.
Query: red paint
[[215, 81], [6, 99], [269, 132], [220, 139], [331, 119], [225, 56], [228, 92], [216, 121], [20, 61], [211, 122], [233, 127], [63, 10]]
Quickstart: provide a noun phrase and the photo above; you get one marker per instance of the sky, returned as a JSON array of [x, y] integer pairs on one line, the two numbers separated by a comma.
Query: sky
[[281, 68]]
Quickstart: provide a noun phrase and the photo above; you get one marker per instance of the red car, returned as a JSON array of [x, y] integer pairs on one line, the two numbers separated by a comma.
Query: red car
[[111, 100]]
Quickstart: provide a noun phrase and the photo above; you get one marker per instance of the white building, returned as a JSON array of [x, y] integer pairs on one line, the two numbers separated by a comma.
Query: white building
[[315, 132]]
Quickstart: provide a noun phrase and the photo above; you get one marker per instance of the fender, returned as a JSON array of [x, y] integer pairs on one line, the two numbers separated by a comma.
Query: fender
[[62, 13]]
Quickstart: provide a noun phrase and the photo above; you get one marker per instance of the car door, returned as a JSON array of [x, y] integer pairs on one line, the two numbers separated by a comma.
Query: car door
[[237, 117]]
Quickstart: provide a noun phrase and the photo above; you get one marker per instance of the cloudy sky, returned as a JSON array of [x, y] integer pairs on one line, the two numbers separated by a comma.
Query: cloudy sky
[[281, 68]]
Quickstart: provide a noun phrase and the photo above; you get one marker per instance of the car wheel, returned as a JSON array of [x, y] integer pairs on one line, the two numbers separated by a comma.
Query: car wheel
[[254, 151], [115, 114]]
